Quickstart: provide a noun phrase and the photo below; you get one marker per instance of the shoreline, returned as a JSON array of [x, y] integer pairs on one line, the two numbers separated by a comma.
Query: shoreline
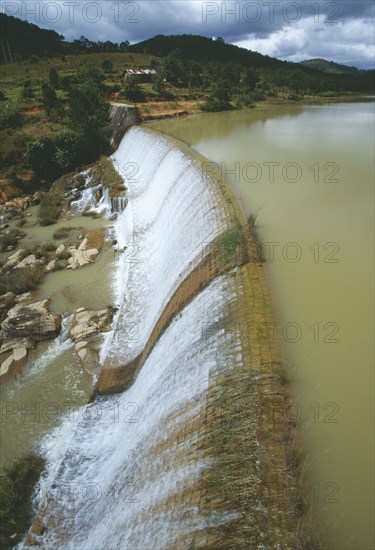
[[192, 107]]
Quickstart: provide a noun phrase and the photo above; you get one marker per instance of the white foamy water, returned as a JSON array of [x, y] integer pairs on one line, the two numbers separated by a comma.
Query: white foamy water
[[88, 199], [58, 346], [172, 214], [117, 471], [117, 468]]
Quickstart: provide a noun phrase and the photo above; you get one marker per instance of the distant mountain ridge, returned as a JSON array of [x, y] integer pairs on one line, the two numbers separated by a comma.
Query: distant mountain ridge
[[329, 66], [22, 40]]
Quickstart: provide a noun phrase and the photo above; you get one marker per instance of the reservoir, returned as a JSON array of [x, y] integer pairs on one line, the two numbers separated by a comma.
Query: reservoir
[[307, 174]]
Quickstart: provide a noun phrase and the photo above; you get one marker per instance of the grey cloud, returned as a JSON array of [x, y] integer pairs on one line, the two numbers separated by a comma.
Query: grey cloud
[[234, 21]]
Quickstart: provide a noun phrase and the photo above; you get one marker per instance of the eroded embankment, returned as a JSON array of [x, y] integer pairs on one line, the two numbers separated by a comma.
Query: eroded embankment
[[212, 459]]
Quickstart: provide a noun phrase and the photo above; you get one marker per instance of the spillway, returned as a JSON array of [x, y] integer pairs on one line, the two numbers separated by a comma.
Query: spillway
[[178, 447]]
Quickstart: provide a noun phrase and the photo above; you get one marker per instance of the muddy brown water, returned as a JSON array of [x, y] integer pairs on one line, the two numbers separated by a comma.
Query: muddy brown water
[[53, 383], [307, 172]]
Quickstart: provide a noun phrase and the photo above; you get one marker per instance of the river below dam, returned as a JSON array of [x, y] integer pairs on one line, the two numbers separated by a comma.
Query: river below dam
[[307, 173]]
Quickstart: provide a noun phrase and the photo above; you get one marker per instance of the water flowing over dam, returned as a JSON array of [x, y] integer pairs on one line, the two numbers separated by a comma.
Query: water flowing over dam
[[184, 443]]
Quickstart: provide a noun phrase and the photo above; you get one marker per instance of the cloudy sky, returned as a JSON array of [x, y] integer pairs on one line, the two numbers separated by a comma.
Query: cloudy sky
[[339, 30]]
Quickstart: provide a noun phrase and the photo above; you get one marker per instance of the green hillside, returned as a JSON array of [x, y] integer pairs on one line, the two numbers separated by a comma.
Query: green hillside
[[20, 40], [329, 67]]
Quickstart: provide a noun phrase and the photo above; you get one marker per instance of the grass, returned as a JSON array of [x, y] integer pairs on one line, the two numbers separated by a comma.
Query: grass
[[95, 238], [257, 245], [17, 486], [231, 247], [21, 280]]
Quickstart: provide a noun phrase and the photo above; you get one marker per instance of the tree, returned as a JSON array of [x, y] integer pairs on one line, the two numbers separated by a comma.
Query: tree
[[48, 95], [219, 99], [132, 90], [172, 67], [158, 84], [88, 118], [53, 78], [26, 90], [107, 66], [250, 79], [124, 46]]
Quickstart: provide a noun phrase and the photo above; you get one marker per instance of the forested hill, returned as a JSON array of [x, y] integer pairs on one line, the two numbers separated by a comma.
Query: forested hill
[[227, 57], [201, 48], [329, 67], [20, 40]]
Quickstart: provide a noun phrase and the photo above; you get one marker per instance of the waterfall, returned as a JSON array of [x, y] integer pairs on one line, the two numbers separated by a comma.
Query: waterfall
[[58, 345], [175, 214], [118, 204], [128, 472], [95, 198]]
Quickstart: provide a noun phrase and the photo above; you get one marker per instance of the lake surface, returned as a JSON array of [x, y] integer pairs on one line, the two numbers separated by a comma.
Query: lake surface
[[307, 172]]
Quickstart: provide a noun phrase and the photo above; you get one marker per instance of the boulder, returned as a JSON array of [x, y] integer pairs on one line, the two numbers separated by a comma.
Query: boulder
[[15, 258], [14, 362], [51, 266], [87, 323], [82, 255], [87, 355], [6, 302], [30, 260], [60, 249], [26, 324], [22, 202], [24, 298], [7, 299]]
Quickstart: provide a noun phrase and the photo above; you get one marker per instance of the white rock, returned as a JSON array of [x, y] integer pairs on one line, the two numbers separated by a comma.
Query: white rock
[[51, 266], [82, 354], [14, 258], [15, 361], [26, 262], [60, 249], [79, 345]]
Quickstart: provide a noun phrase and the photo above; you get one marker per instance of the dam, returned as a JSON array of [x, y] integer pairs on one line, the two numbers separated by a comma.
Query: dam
[[186, 442]]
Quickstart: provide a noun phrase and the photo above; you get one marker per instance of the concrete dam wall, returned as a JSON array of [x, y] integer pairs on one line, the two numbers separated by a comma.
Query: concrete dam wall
[[185, 443]]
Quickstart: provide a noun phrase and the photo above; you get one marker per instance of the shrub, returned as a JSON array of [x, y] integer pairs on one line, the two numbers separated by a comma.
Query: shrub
[[107, 66], [21, 280], [110, 178], [213, 104], [11, 238], [48, 95], [67, 80], [61, 233], [39, 154], [49, 209], [53, 78], [245, 100], [9, 117], [52, 157], [133, 91], [17, 486]]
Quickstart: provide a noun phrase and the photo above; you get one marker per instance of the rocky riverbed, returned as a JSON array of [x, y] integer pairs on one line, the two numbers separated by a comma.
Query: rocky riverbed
[[28, 261]]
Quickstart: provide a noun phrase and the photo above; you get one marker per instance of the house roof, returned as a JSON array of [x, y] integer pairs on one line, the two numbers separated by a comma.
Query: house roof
[[137, 70]]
